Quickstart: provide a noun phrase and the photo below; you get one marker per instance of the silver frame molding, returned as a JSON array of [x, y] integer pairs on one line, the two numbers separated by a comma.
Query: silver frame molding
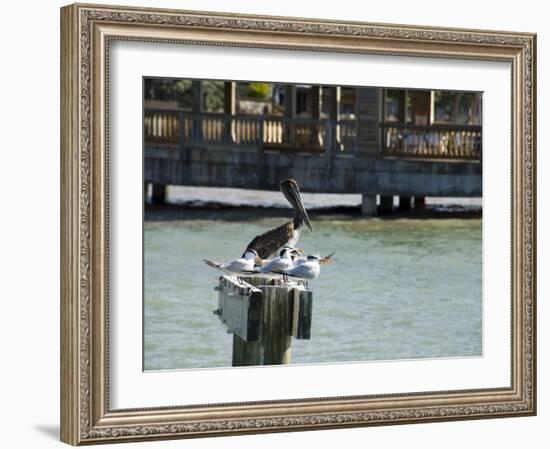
[[86, 32]]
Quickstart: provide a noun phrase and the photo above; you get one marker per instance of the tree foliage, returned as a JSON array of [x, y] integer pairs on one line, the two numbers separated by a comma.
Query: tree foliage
[[164, 89], [181, 91], [457, 107], [213, 96], [260, 91]]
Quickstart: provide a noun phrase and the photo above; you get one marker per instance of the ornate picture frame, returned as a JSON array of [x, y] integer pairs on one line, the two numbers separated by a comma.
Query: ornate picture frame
[[87, 32]]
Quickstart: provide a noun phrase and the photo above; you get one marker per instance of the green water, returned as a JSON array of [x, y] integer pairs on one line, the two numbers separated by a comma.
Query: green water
[[399, 289]]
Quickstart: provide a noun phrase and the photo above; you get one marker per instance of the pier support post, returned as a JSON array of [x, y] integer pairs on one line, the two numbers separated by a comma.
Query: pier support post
[[230, 109], [369, 117], [290, 112], [422, 107], [158, 194], [334, 114], [405, 203], [386, 205], [368, 205], [145, 191], [196, 108], [419, 201], [316, 107]]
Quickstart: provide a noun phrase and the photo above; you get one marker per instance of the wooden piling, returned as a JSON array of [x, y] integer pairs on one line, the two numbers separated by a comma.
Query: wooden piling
[[368, 205], [301, 314], [246, 353], [405, 203], [158, 194], [419, 201], [145, 191], [263, 314], [386, 205], [276, 322]]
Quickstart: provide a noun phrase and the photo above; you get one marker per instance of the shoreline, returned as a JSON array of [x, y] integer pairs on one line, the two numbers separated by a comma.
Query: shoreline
[[225, 212], [195, 203]]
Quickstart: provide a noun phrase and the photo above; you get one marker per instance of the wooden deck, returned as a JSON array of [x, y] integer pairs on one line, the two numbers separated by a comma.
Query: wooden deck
[[327, 156]]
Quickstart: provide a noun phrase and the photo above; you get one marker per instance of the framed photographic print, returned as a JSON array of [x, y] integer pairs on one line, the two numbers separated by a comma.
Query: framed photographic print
[[281, 224]]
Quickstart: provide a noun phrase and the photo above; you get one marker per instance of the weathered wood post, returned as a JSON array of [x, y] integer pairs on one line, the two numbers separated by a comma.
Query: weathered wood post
[[330, 142], [386, 205], [276, 322], [263, 314], [334, 114], [369, 117], [196, 109], [261, 152], [158, 193], [229, 109], [405, 203], [181, 130], [290, 114]]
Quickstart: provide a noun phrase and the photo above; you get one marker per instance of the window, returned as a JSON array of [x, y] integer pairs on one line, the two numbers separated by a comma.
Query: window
[[255, 98], [213, 94], [168, 92], [458, 108]]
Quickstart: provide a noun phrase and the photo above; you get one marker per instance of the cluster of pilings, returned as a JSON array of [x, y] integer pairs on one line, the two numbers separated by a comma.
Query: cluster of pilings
[[263, 314], [372, 205]]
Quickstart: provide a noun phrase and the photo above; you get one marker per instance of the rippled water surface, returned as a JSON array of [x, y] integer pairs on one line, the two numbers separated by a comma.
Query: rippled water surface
[[399, 288]]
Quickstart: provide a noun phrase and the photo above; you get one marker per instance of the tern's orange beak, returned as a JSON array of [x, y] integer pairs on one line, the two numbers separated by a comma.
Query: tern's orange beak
[[327, 259]]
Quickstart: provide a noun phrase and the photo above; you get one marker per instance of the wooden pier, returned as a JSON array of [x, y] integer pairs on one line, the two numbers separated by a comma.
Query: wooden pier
[[371, 151], [263, 314]]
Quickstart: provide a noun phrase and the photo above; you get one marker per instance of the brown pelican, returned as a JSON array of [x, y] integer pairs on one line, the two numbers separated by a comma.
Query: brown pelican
[[272, 241]]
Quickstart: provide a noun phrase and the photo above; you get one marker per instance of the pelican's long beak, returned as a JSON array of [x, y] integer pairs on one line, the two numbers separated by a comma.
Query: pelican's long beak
[[299, 205], [304, 214]]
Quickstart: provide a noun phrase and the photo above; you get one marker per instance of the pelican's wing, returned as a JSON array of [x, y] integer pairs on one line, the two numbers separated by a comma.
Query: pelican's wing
[[271, 241]]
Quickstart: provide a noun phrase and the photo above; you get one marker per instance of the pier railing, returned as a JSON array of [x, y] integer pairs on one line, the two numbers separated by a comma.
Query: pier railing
[[308, 135], [438, 141], [299, 134]]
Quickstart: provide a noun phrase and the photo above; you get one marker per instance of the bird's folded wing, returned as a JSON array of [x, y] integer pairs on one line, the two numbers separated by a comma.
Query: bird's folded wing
[[270, 241]]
